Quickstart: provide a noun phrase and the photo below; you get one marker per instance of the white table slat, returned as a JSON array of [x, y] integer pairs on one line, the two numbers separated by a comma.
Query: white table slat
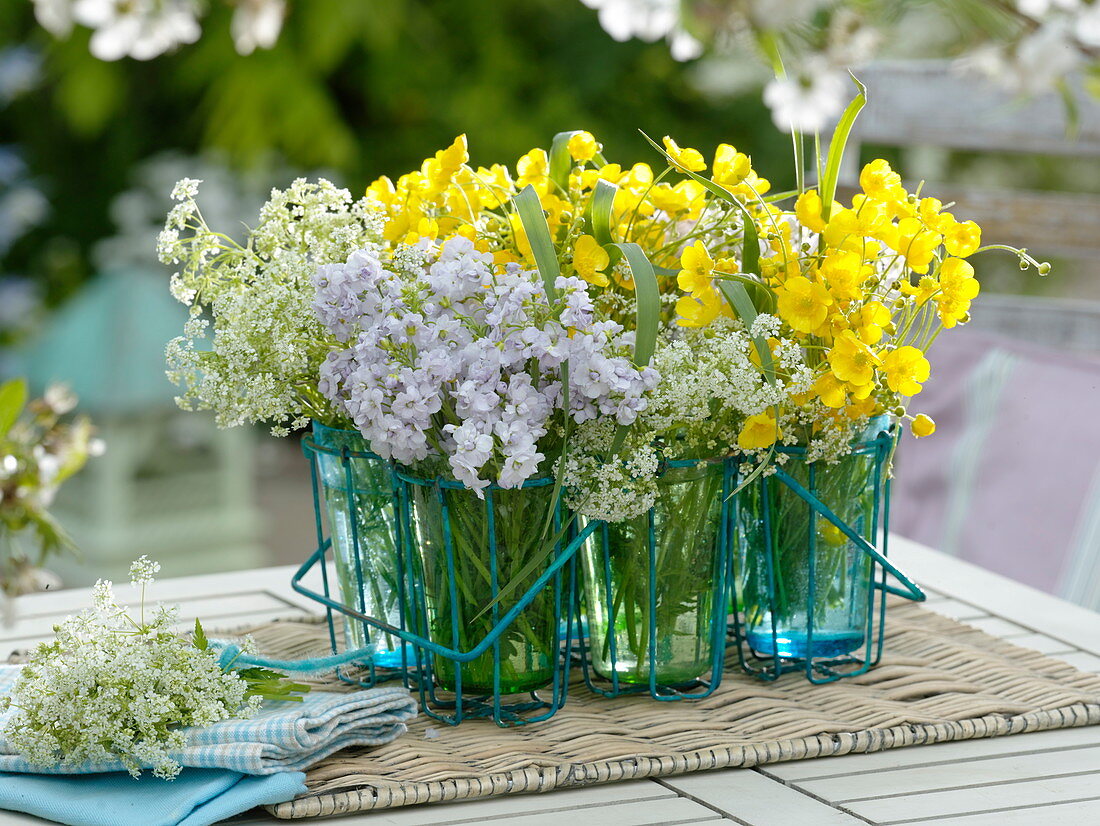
[[1081, 660], [1039, 744], [999, 595], [756, 800], [202, 607], [956, 609], [954, 775], [1043, 644], [998, 627], [980, 799], [1083, 813]]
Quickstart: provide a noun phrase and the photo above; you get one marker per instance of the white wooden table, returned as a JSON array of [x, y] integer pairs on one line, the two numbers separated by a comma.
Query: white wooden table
[[1021, 780]]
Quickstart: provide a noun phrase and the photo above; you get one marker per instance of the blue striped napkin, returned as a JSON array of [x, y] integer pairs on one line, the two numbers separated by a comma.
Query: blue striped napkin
[[283, 736]]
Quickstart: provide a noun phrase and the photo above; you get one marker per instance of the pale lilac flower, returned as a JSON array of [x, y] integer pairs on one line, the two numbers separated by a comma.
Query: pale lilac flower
[[447, 357]]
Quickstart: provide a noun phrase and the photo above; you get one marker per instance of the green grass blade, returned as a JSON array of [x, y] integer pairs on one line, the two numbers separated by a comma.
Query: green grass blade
[[738, 298], [836, 148], [603, 199], [560, 161], [750, 248], [531, 216], [647, 295]]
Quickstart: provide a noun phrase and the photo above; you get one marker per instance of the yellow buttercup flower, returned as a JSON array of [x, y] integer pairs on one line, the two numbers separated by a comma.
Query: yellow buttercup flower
[[686, 158], [730, 166], [425, 228], [638, 179], [844, 273], [870, 322], [752, 187], [922, 291], [930, 210], [519, 237], [803, 304], [454, 156], [831, 390], [852, 361], [582, 147], [754, 353], [382, 191], [533, 168], [860, 408], [906, 367], [923, 426], [555, 209], [808, 210], [699, 310], [962, 239], [697, 270], [669, 199], [958, 287], [881, 182], [848, 227], [440, 170], [496, 185], [589, 258], [779, 268], [916, 244], [759, 431]]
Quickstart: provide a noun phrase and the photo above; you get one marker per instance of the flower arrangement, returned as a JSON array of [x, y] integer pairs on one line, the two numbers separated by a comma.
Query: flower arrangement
[[112, 687], [40, 448], [579, 326]]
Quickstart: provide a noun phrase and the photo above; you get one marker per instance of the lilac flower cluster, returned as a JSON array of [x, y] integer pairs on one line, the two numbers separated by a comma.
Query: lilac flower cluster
[[448, 356]]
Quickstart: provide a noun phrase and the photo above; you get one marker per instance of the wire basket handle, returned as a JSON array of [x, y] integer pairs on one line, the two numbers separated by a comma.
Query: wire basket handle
[[909, 589]]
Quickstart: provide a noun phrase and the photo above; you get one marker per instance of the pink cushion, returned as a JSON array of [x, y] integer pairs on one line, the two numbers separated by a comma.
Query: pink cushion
[[1007, 480]]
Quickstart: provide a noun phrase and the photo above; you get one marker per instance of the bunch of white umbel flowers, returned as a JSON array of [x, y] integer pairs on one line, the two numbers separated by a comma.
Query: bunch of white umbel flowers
[[112, 688]]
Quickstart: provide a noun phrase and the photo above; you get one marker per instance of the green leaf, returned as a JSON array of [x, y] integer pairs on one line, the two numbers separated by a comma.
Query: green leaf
[[560, 161], [534, 223], [13, 398], [647, 296], [198, 637], [738, 299], [603, 199], [750, 249], [836, 148]]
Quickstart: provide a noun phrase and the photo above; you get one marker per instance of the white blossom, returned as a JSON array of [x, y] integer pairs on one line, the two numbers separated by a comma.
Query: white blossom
[[809, 101], [256, 24], [141, 29]]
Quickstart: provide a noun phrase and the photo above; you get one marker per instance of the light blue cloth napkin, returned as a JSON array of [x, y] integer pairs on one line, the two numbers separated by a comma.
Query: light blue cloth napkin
[[282, 737], [198, 797]]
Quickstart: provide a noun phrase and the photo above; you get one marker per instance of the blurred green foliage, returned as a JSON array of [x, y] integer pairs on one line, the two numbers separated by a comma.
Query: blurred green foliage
[[362, 88]]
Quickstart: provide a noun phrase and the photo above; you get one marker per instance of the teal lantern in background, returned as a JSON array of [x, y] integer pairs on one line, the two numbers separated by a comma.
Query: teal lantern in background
[[170, 485]]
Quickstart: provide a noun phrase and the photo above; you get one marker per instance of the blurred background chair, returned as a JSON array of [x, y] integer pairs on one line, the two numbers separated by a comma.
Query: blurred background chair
[[1011, 479]]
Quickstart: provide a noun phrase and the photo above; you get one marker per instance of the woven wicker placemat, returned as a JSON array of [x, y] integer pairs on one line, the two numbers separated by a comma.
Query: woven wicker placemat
[[939, 680]]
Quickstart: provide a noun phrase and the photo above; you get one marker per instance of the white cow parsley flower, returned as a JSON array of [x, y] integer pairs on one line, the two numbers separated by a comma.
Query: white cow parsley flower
[[111, 688]]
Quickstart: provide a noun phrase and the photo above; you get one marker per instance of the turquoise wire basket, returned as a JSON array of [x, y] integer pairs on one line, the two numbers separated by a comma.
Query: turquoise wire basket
[[657, 589], [359, 556], [456, 627], [810, 564]]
